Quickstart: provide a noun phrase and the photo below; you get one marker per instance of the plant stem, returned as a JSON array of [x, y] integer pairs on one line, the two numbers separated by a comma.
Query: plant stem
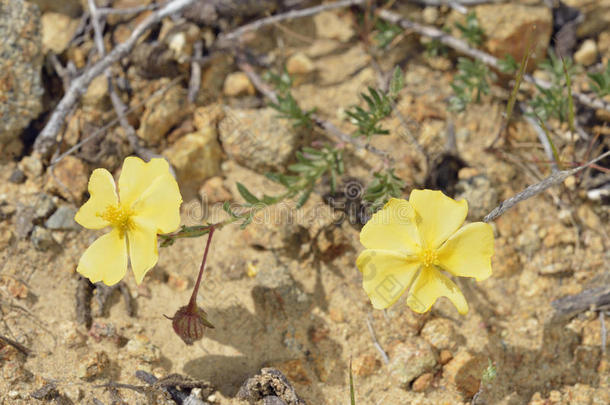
[[193, 301]]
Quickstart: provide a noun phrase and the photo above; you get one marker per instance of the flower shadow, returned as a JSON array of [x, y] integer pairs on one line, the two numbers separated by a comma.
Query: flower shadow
[[281, 332]]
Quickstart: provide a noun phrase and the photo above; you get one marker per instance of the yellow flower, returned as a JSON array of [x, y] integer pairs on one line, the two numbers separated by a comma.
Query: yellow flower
[[148, 203], [409, 243]]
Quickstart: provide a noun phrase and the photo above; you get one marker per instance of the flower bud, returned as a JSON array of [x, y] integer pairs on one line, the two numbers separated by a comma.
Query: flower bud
[[189, 323]]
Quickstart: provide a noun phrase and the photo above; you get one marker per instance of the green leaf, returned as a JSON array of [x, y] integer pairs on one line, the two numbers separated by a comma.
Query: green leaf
[[570, 99], [352, 394], [247, 195], [600, 82], [304, 197], [246, 222], [384, 186], [311, 151], [397, 82], [508, 65], [300, 167], [226, 206], [550, 140]]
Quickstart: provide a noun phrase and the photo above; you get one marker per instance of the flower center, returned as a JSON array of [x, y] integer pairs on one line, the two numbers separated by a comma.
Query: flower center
[[428, 257], [119, 217]]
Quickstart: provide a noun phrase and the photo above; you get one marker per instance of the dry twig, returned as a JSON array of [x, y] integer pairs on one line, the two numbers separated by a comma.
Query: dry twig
[[119, 107], [15, 344], [326, 126], [382, 352], [537, 188], [101, 130], [227, 40], [463, 47], [46, 139]]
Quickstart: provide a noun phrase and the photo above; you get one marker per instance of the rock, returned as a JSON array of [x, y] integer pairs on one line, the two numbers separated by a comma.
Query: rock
[[238, 84], [20, 66], [70, 179], [57, 31], [72, 8], [176, 281], [6, 210], [365, 365], [510, 27], [44, 206], [444, 357], [482, 197], [73, 335], [411, 359], [330, 26], [589, 217], [336, 315], [93, 365], [603, 44], [207, 116], [97, 92], [586, 55], [141, 348], [196, 157], [17, 177], [31, 166], [213, 191], [422, 382], [213, 77], [6, 237], [430, 15], [14, 287], [180, 39], [595, 16], [591, 333], [299, 64], [42, 239], [258, 139], [63, 219], [162, 112], [439, 332], [24, 220], [72, 392], [270, 382], [465, 371], [295, 371]]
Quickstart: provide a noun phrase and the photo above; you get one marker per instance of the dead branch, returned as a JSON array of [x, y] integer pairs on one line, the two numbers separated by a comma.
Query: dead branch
[[117, 103], [591, 298], [122, 11], [324, 125], [46, 139], [537, 188], [195, 81], [15, 344], [228, 39], [116, 120], [369, 324], [463, 47]]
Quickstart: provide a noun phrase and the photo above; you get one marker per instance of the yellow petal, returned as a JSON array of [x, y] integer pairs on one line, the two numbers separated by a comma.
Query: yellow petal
[[440, 215], [430, 285], [143, 252], [137, 176], [386, 275], [103, 194], [392, 228], [159, 205], [105, 260], [468, 252]]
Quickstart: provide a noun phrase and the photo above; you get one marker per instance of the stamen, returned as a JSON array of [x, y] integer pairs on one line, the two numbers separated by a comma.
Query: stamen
[[119, 217], [428, 257]]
